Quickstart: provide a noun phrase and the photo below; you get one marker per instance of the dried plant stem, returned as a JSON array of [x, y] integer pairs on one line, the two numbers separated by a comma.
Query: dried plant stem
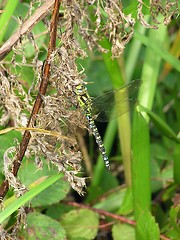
[[42, 90], [38, 15], [103, 213]]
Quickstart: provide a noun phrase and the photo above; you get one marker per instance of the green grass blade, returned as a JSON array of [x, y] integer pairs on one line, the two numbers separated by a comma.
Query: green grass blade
[[162, 126], [6, 16], [28, 196], [116, 73], [158, 49], [140, 162], [151, 68], [133, 53], [112, 66], [140, 136], [140, 169]]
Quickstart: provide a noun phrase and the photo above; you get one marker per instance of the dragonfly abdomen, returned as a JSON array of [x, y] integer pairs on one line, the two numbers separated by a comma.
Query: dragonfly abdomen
[[99, 141]]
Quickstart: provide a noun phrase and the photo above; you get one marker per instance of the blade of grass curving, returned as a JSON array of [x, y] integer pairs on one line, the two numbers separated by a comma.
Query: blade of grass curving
[[140, 136], [151, 69], [6, 16], [28, 196], [158, 50], [163, 127]]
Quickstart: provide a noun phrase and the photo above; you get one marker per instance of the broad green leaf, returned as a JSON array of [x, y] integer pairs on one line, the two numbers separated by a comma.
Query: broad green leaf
[[123, 232], [29, 172], [42, 227], [56, 211], [53, 194], [81, 223], [147, 228], [113, 201]]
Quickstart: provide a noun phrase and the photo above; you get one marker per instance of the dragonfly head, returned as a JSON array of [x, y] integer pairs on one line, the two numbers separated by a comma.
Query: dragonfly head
[[80, 89]]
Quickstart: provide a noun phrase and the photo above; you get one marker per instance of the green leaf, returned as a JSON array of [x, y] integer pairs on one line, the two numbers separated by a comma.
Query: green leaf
[[29, 172], [112, 202], [123, 232], [81, 224], [57, 210], [147, 228], [53, 194], [41, 227]]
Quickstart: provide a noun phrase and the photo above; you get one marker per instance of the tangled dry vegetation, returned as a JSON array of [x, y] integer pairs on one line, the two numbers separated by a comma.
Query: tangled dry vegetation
[[80, 21]]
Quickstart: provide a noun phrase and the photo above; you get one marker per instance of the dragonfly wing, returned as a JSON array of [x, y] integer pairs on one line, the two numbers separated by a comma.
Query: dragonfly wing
[[115, 103], [117, 110]]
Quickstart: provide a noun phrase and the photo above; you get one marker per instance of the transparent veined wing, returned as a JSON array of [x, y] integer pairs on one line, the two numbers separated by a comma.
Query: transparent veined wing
[[116, 102]]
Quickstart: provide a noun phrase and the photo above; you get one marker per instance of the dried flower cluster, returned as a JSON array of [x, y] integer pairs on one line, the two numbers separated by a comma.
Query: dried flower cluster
[[157, 8]]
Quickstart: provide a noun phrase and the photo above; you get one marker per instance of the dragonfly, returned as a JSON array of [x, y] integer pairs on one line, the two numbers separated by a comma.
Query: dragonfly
[[112, 104]]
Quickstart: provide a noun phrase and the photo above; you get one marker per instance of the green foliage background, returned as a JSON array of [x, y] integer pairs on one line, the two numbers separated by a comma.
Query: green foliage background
[[152, 178]]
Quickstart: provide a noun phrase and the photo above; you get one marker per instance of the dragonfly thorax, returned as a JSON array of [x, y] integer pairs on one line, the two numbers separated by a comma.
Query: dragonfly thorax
[[84, 99]]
